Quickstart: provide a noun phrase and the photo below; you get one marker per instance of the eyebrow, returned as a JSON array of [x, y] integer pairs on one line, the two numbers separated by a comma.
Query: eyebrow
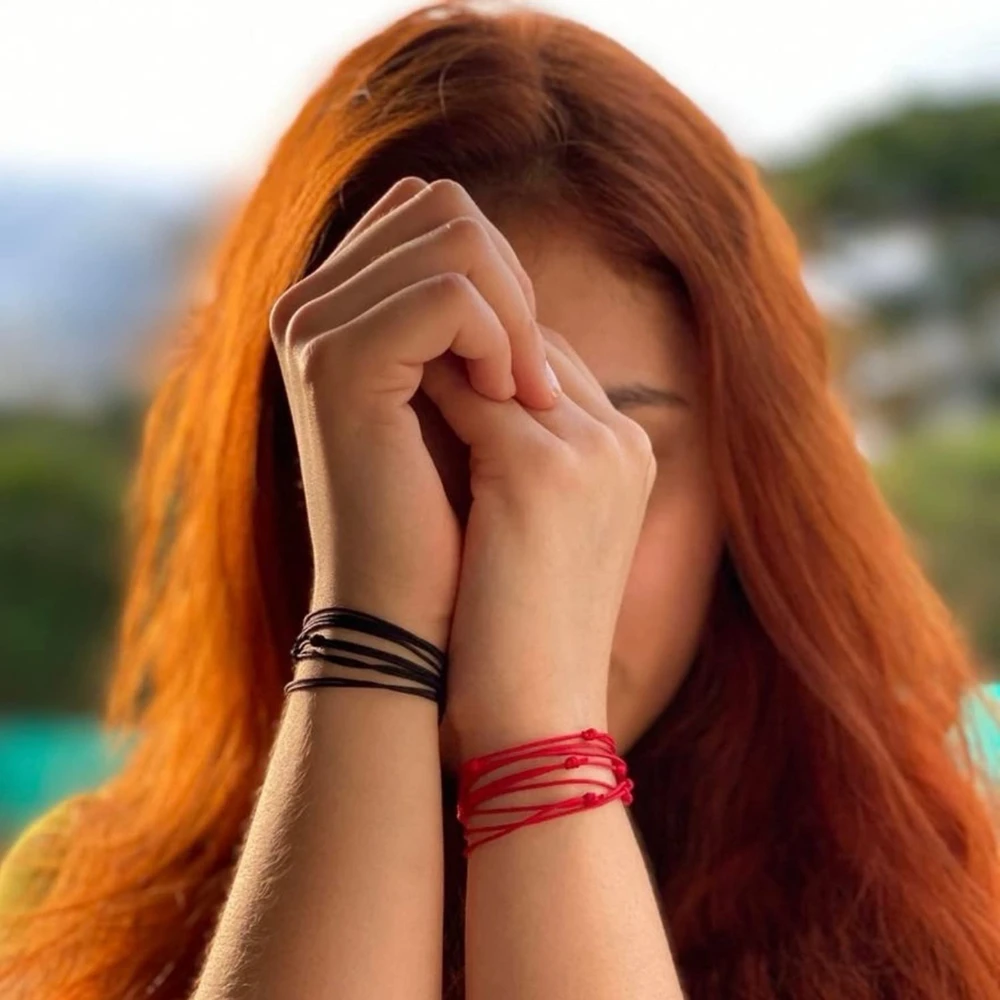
[[640, 394]]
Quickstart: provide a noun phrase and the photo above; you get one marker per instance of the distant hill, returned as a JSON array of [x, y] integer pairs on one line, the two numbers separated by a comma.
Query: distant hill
[[85, 265]]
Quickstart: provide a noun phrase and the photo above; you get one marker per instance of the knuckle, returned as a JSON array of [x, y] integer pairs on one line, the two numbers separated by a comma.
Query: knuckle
[[282, 310], [302, 325], [638, 449], [468, 231], [451, 285], [451, 194], [634, 437], [409, 185], [311, 358], [322, 359], [622, 444]]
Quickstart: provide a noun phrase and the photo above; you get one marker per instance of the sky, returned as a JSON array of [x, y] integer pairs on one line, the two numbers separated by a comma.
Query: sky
[[200, 90]]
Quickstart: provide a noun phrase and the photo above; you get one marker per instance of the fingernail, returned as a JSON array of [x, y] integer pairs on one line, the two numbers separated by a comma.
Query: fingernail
[[553, 381]]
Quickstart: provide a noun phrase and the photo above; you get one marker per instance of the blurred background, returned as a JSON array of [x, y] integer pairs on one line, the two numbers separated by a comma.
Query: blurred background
[[129, 131]]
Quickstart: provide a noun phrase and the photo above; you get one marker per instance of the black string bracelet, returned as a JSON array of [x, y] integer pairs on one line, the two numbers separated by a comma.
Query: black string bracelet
[[361, 621], [311, 644]]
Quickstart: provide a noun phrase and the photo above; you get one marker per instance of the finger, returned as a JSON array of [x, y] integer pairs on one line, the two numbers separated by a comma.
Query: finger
[[460, 246], [582, 401], [553, 336], [571, 417], [476, 421], [401, 192], [580, 404], [454, 195], [440, 202], [318, 281], [383, 351]]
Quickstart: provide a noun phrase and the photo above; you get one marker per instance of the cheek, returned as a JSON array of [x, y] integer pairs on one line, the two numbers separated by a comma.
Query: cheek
[[665, 601]]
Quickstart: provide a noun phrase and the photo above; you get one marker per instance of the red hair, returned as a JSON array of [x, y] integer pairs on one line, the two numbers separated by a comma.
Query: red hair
[[815, 822]]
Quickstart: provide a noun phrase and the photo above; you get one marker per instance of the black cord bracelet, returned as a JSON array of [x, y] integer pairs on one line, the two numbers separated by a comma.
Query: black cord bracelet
[[312, 644]]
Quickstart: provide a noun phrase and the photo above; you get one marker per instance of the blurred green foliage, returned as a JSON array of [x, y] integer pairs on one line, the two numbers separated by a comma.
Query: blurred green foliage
[[931, 158], [62, 484], [945, 487]]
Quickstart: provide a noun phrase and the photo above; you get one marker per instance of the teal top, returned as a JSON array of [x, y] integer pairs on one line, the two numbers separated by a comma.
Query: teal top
[[984, 731]]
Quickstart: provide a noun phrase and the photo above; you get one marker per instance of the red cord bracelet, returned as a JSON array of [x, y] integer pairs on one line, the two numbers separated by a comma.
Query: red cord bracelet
[[587, 746]]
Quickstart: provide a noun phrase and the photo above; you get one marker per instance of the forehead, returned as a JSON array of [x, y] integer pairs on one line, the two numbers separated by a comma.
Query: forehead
[[625, 325]]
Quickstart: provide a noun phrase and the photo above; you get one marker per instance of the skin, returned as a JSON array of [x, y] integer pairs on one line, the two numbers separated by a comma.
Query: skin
[[338, 890], [628, 329], [565, 908]]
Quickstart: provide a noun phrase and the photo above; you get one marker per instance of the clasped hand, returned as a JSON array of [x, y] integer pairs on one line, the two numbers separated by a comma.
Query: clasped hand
[[425, 295]]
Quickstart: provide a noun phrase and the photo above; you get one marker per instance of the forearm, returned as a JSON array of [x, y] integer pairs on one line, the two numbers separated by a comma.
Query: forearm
[[338, 891], [564, 908]]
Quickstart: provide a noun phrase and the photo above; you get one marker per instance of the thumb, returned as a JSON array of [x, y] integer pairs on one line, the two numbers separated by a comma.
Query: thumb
[[477, 420]]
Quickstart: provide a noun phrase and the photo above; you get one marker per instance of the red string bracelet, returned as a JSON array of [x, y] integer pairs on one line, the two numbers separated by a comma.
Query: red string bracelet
[[587, 746]]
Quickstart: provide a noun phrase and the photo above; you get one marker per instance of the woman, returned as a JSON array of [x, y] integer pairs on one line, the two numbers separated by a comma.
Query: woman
[[682, 548]]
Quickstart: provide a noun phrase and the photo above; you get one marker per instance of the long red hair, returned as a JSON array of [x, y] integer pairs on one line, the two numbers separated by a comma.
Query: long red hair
[[815, 820]]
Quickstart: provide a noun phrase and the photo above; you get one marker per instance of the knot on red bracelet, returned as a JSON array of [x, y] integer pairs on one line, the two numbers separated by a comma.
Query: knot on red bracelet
[[470, 803]]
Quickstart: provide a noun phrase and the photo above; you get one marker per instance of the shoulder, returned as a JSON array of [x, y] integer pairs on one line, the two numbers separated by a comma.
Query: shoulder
[[31, 862]]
